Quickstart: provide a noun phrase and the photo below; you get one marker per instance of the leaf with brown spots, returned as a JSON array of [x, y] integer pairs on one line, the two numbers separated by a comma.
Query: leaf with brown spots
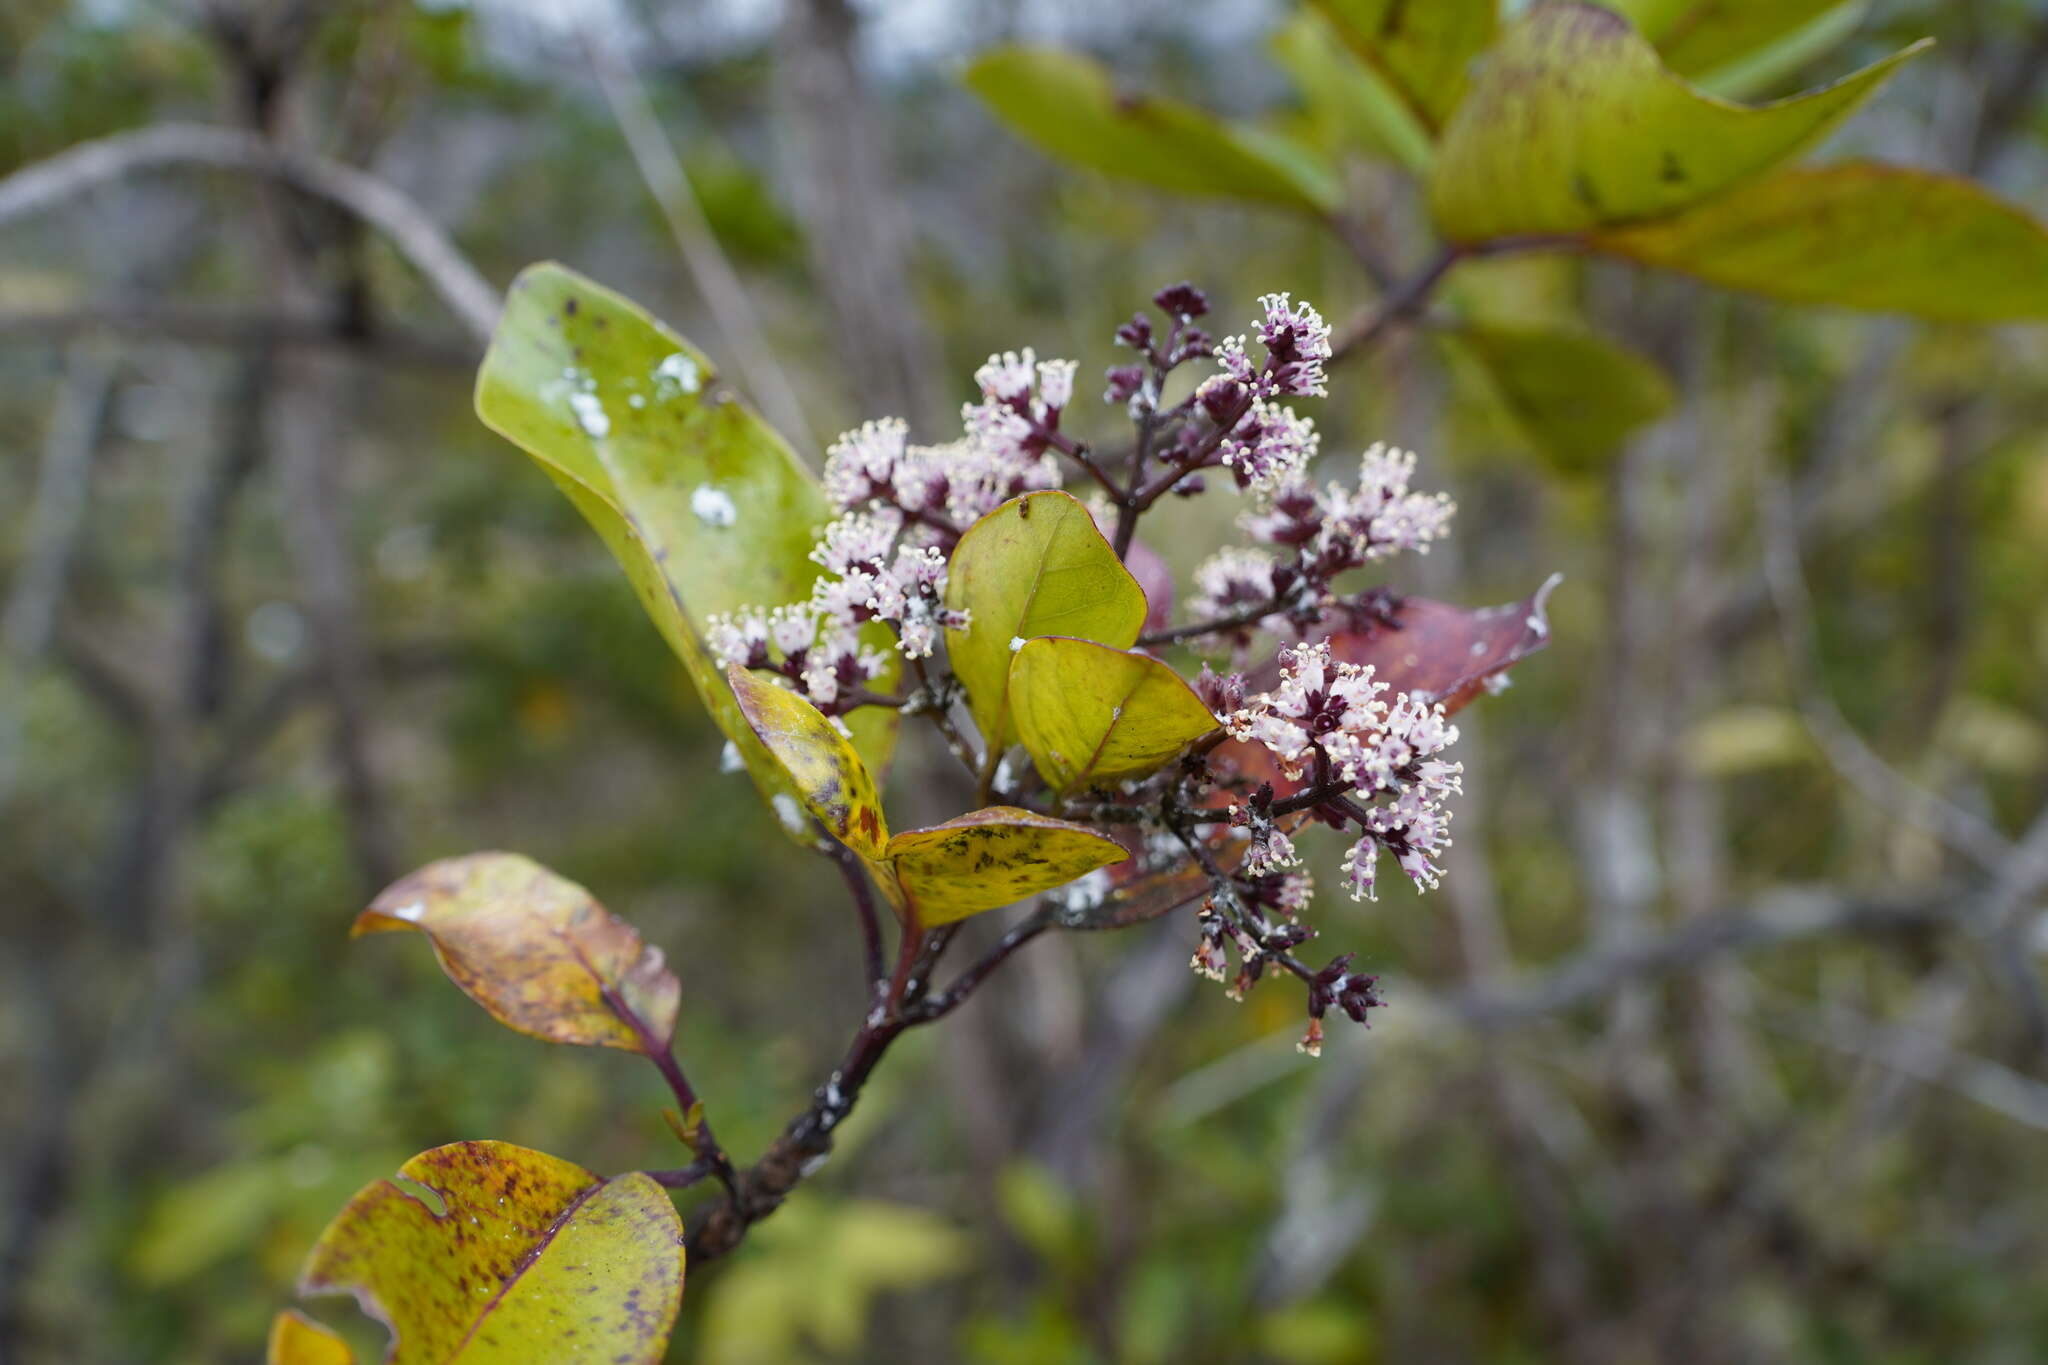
[[992, 857], [296, 1339], [822, 767], [535, 950], [491, 1254]]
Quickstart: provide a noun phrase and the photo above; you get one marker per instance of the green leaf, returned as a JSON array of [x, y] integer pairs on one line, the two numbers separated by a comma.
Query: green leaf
[[1035, 566], [1573, 124], [1766, 66], [1068, 105], [534, 949], [828, 776], [990, 858], [1697, 38], [520, 1258], [703, 504], [1421, 48], [296, 1339], [1575, 394], [1089, 714], [1860, 235], [1348, 100]]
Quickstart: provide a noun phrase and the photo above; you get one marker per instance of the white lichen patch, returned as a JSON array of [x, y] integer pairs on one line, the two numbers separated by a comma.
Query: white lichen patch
[[713, 506]]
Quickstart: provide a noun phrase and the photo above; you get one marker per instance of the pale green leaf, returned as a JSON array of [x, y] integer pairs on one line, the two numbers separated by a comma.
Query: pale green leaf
[[1069, 106], [534, 949], [1090, 714], [703, 504], [1037, 565], [1572, 124], [1860, 235], [1576, 395], [521, 1258], [990, 858], [1421, 48], [1346, 98], [829, 778], [1698, 38]]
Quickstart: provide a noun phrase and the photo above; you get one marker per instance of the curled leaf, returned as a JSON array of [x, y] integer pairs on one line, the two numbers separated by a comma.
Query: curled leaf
[[491, 1254], [296, 1339], [1572, 123], [823, 768], [534, 949], [1090, 714], [1035, 566], [990, 858]]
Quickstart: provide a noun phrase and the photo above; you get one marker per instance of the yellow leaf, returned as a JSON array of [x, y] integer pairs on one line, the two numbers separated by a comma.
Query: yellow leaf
[[498, 1255], [992, 857], [296, 1339], [1573, 123], [534, 949], [1035, 566], [1859, 235], [1091, 714], [821, 765]]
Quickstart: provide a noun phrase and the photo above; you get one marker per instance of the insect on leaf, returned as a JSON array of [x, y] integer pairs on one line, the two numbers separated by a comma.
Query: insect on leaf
[[491, 1254], [534, 949]]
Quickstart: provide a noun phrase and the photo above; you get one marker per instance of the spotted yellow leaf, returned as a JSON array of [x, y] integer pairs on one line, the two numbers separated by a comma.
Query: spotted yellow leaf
[[822, 766], [485, 1253], [992, 857]]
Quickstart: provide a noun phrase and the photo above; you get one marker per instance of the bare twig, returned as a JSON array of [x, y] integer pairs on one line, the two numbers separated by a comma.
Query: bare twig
[[236, 327], [369, 198], [1879, 782], [716, 280]]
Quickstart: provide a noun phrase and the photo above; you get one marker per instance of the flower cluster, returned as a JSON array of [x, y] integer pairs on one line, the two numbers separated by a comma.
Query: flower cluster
[[1375, 756], [1331, 529], [872, 573]]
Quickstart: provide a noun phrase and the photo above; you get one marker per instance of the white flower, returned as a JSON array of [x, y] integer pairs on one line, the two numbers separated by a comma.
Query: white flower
[[1006, 376], [1229, 581], [1056, 383], [862, 463]]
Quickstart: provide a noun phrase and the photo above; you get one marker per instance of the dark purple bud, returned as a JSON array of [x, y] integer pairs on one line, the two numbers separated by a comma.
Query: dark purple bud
[[1336, 971], [1221, 398], [1137, 333], [1123, 381], [1194, 343], [1182, 301], [1222, 693], [1190, 486]]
